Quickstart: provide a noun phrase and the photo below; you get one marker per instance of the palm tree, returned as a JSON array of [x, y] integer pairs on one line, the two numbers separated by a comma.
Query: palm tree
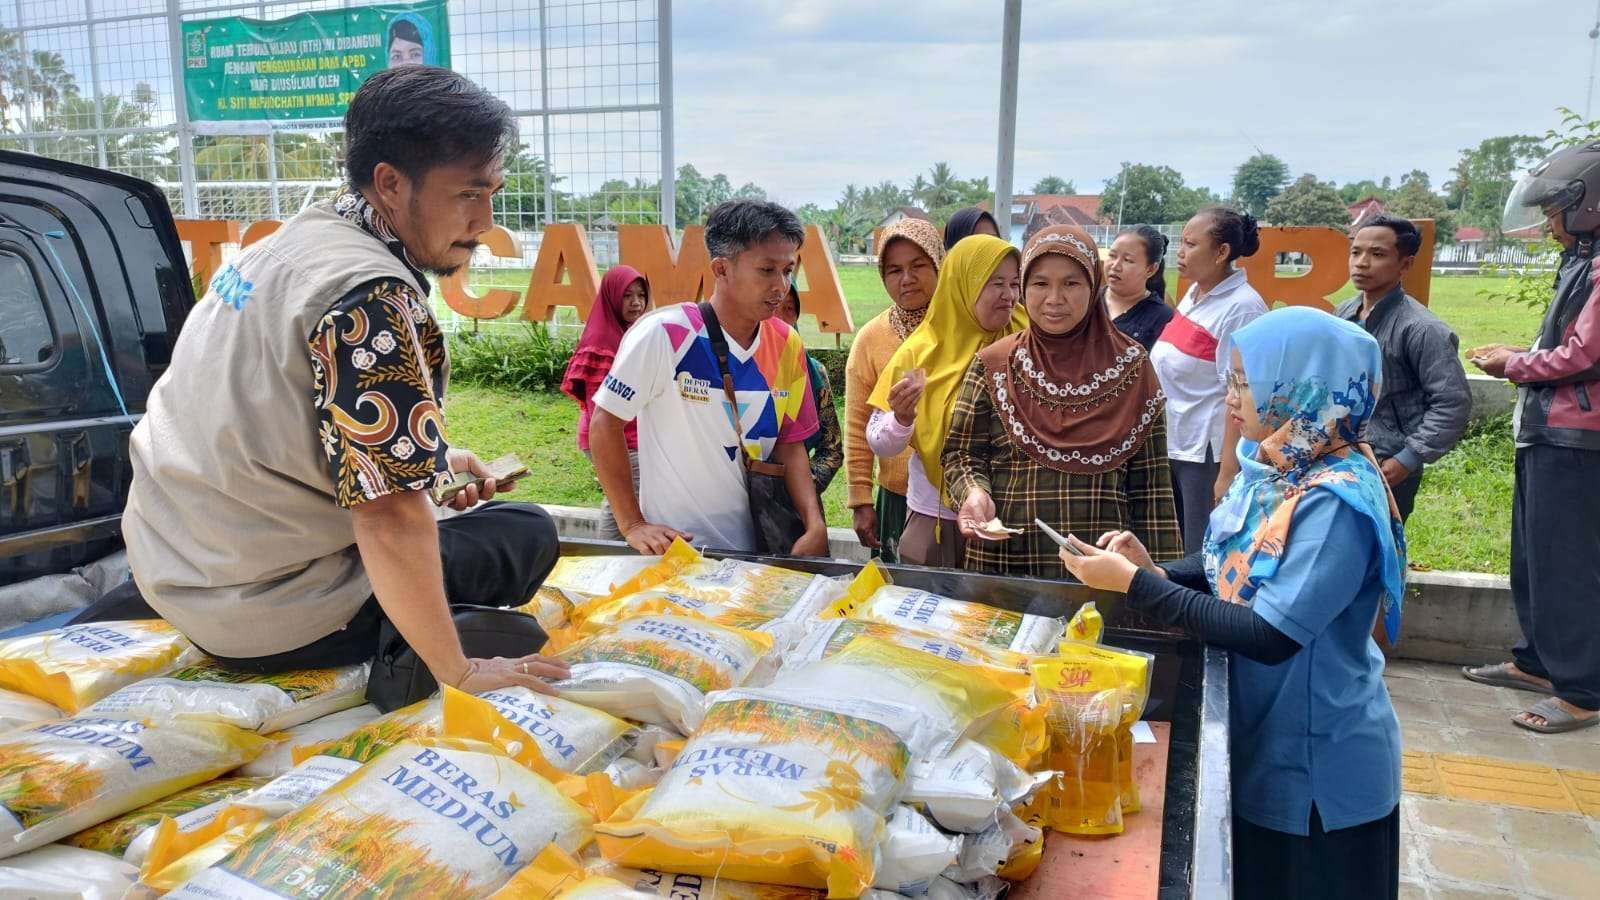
[[942, 189], [50, 80], [1050, 184]]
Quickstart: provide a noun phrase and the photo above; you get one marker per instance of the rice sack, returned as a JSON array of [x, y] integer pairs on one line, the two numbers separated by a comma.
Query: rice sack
[[607, 612], [551, 608], [962, 697], [986, 854], [555, 875], [59, 872], [17, 710], [128, 836], [970, 788], [58, 778], [658, 669], [773, 591], [74, 666], [582, 577], [913, 853], [440, 818], [775, 788], [279, 758], [254, 702], [574, 738], [826, 637], [871, 596]]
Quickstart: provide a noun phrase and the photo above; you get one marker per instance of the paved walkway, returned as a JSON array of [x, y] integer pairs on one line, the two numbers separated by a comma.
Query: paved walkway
[[1490, 809]]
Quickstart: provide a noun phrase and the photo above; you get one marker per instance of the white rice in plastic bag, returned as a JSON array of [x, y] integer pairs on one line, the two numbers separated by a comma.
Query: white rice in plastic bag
[[967, 789], [573, 737], [280, 757], [17, 710], [57, 778], [74, 666], [594, 576], [439, 818], [989, 888], [983, 854], [630, 775], [59, 872], [129, 835], [920, 610], [254, 702], [658, 669], [913, 853]]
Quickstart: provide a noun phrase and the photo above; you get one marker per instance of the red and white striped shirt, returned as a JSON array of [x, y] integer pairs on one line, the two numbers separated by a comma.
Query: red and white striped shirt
[[1192, 355]]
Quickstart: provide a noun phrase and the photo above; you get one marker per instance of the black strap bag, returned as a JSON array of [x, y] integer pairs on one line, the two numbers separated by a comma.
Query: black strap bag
[[777, 524]]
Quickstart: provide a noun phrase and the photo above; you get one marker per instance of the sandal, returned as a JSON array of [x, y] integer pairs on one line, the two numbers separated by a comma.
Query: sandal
[[1499, 675], [1556, 718]]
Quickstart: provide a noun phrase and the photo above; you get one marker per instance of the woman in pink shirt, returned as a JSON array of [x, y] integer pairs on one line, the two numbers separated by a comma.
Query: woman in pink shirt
[[623, 297]]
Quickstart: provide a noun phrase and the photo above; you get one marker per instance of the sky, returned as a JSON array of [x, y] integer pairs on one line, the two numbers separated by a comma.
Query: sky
[[806, 96]]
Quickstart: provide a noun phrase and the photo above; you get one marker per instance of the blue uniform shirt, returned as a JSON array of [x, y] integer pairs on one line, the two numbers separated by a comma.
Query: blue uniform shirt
[[1319, 728]]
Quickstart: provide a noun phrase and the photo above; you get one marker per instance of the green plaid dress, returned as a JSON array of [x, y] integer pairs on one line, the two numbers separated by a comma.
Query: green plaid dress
[[979, 453]]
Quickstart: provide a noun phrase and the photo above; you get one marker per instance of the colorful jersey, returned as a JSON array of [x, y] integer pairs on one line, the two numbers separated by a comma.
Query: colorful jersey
[[666, 376]]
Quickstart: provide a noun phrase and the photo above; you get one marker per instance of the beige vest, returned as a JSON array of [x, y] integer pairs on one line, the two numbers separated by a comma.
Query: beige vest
[[232, 529]]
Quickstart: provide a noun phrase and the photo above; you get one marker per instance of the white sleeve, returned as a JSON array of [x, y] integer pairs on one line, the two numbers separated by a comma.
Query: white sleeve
[[637, 374]]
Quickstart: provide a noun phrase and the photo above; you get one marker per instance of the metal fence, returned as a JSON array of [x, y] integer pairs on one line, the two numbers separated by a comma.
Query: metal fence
[[99, 82]]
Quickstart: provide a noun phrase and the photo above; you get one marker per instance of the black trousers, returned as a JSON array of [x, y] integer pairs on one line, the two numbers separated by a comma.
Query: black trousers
[[1405, 494], [496, 555], [1555, 569], [1193, 488], [1357, 863]]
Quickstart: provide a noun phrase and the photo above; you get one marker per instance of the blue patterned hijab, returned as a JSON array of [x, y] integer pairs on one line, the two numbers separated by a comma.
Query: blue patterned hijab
[[1315, 381]]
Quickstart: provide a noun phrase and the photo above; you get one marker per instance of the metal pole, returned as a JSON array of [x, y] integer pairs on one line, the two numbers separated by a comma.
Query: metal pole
[[27, 80], [544, 122], [1122, 202], [1594, 51], [1011, 36], [669, 172], [94, 83], [175, 51], [272, 172]]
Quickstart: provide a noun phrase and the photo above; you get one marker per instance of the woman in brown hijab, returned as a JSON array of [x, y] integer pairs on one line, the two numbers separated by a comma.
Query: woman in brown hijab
[[1064, 422]]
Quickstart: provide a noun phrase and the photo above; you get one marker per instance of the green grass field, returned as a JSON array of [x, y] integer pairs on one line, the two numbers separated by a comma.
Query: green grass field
[[1463, 514]]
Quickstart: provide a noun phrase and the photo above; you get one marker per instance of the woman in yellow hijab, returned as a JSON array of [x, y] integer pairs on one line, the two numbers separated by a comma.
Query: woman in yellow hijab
[[974, 305]]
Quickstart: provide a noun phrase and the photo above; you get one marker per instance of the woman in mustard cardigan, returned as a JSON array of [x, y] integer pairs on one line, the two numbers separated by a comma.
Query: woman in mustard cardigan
[[909, 254]]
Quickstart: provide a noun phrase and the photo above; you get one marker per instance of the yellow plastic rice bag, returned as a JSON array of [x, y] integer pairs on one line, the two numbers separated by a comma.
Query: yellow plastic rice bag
[[658, 669], [128, 836], [574, 738], [826, 637], [74, 666], [1089, 693], [252, 701], [445, 817], [582, 577], [363, 743], [776, 788], [59, 872], [773, 591], [962, 697], [279, 758], [17, 710], [58, 778], [555, 875], [871, 596], [551, 607], [970, 788]]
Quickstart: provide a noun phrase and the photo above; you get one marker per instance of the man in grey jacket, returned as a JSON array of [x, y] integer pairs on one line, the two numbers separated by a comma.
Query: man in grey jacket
[[1424, 402]]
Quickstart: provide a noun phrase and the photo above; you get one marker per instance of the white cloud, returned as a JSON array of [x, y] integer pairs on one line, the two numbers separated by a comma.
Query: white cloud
[[805, 97]]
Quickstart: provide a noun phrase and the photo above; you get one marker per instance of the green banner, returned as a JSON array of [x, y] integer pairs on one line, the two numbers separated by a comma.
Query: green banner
[[305, 66]]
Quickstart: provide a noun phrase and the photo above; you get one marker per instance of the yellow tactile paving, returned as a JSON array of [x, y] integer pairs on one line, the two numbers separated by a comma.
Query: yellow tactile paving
[[1419, 774], [1501, 782], [1585, 788]]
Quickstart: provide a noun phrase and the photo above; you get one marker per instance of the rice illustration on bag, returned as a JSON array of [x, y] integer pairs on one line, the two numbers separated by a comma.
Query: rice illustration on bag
[[775, 788], [74, 666], [248, 700], [573, 738], [128, 836], [57, 778], [17, 710], [280, 757], [658, 669], [441, 817], [871, 596], [773, 591]]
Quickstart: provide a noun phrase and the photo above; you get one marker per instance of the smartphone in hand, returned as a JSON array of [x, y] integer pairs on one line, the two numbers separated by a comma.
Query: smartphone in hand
[[1055, 535]]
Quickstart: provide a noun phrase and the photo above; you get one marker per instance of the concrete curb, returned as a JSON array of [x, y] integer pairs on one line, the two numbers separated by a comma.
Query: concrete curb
[[1464, 618]]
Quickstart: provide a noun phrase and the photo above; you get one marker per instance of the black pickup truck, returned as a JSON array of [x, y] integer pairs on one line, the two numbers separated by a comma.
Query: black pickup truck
[[93, 289]]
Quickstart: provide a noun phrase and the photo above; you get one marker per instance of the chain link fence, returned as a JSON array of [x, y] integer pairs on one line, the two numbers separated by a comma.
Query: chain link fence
[[95, 82]]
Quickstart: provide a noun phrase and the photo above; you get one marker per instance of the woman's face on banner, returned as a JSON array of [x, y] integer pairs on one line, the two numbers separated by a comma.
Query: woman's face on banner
[[404, 53]]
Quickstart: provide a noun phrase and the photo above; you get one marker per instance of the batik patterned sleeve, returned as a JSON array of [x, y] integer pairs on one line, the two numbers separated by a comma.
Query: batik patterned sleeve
[[377, 363], [829, 455]]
